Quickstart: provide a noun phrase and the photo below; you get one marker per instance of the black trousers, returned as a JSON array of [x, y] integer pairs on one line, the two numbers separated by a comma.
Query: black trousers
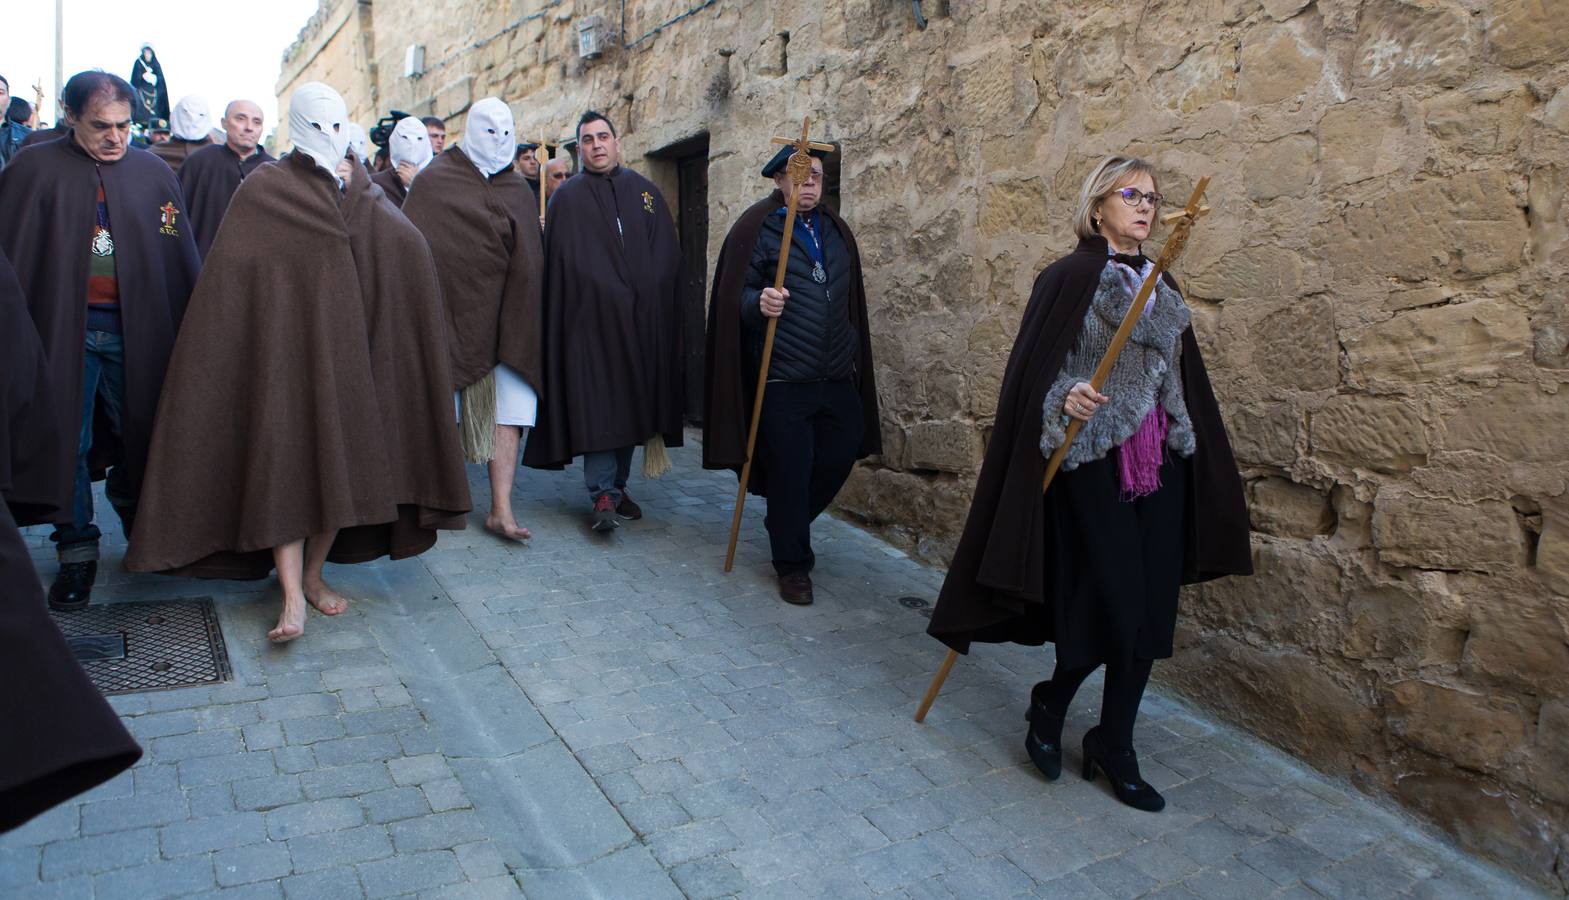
[[808, 439]]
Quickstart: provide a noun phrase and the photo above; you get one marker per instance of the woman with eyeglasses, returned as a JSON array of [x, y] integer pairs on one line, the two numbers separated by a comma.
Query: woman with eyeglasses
[[1148, 498]]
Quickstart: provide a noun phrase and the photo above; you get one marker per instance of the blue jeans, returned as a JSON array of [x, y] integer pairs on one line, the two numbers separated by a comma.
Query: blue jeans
[[103, 379], [606, 471]]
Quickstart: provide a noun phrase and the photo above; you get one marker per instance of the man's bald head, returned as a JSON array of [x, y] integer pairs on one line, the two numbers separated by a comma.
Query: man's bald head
[[242, 127]]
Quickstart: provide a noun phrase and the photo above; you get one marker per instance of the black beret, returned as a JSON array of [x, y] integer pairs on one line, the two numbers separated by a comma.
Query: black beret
[[158, 125], [783, 156]]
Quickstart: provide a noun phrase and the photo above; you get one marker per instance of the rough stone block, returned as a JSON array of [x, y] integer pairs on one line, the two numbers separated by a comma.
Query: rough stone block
[[1517, 423], [1282, 507], [1464, 726], [1400, 42], [1435, 533], [945, 446], [1358, 431]]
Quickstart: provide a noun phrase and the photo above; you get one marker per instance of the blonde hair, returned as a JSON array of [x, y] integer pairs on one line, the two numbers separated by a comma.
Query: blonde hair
[[1112, 172]]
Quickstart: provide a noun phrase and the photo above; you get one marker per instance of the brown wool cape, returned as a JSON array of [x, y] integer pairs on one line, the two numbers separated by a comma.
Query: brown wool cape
[[59, 736], [178, 151], [156, 264], [995, 587], [391, 185], [484, 235], [612, 347], [209, 179], [730, 376], [309, 389]]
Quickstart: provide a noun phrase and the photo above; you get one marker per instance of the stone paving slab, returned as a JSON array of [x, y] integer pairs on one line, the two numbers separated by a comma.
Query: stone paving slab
[[613, 716]]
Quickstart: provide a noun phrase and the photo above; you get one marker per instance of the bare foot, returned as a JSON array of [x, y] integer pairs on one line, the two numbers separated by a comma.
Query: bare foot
[[326, 600], [507, 528], [291, 622]]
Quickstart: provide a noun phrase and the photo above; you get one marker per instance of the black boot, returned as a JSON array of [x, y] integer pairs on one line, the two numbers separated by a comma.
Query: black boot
[[73, 587], [1122, 770], [1043, 739]]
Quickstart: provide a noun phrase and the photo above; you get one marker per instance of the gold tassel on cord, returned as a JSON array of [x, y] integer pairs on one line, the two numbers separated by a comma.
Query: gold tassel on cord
[[477, 431], [656, 461]]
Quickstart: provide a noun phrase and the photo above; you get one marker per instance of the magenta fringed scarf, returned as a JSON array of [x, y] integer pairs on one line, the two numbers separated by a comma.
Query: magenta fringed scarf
[[1139, 457]]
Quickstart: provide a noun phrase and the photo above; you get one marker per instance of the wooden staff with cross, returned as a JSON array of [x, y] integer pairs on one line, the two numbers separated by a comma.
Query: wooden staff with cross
[[1183, 220], [799, 170], [542, 157]]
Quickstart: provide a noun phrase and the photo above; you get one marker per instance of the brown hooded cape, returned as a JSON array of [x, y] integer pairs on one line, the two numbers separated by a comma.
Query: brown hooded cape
[[177, 151], [59, 737], [730, 375], [612, 348], [53, 187], [391, 185], [309, 389], [209, 179], [995, 587], [484, 235]]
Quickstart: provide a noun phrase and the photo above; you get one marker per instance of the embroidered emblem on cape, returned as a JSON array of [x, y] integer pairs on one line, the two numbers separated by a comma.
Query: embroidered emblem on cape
[[648, 202], [167, 216], [103, 244]]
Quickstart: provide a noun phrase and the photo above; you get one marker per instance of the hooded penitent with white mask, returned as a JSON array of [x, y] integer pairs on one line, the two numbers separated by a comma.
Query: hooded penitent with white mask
[[482, 222], [309, 398], [191, 120], [319, 124], [408, 145], [487, 136], [359, 143], [190, 127]]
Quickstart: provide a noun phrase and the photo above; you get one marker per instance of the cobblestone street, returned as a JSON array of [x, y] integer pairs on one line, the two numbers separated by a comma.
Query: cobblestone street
[[615, 717]]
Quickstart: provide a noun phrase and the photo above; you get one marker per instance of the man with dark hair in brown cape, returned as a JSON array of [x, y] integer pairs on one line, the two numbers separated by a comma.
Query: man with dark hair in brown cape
[[307, 414], [482, 224], [59, 737], [820, 406], [106, 261], [613, 375], [212, 174]]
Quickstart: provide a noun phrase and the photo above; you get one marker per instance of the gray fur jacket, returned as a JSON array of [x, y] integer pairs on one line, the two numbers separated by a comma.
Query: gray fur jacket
[[1145, 373]]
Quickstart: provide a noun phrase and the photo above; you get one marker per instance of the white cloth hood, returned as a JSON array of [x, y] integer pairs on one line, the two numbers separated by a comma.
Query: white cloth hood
[[410, 143], [319, 124], [190, 119], [358, 141], [487, 136]]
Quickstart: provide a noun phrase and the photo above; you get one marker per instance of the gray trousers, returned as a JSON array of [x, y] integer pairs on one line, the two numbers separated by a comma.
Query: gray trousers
[[606, 471]]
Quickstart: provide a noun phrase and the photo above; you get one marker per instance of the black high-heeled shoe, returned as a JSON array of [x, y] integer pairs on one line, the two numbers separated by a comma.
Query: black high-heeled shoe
[[1043, 738], [1122, 770]]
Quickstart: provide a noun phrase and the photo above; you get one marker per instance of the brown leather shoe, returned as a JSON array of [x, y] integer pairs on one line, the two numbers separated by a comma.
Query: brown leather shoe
[[796, 588]]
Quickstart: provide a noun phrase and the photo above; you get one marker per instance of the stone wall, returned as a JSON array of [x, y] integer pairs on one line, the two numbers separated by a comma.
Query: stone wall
[[1380, 296]]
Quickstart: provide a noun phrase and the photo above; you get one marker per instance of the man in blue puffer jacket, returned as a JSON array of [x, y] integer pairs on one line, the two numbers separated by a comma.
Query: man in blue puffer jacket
[[820, 407]]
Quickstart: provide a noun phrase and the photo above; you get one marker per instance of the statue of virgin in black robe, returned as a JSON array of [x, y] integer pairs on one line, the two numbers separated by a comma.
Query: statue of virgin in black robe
[[152, 96]]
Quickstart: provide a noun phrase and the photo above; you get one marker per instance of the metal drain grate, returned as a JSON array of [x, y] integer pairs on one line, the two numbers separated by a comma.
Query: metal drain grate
[[147, 646]]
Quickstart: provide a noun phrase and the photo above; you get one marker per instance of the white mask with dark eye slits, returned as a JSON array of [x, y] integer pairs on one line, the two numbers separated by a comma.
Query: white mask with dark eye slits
[[319, 124], [190, 120], [410, 143], [358, 141], [487, 136]]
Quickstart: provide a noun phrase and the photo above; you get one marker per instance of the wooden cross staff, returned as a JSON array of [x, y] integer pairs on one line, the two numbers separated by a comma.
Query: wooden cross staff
[[544, 144], [1183, 219], [800, 170]]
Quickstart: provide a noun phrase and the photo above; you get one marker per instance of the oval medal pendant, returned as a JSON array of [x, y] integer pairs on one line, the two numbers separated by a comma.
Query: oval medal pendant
[[819, 275]]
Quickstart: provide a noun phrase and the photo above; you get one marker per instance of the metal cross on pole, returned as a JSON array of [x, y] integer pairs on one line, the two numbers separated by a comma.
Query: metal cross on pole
[[799, 170], [1175, 242]]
